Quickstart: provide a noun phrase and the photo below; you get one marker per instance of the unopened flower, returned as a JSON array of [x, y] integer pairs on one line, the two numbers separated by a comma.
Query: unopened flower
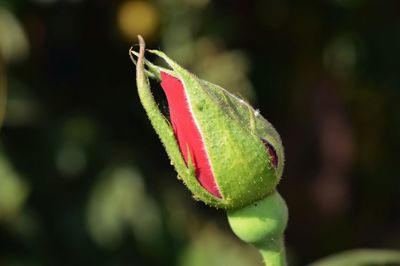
[[225, 152]]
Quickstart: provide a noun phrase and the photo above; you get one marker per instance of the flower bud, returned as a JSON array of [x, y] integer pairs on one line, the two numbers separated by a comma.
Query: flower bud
[[225, 152]]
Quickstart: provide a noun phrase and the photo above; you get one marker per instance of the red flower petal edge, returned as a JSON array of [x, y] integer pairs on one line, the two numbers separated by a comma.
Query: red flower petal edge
[[187, 132], [271, 151]]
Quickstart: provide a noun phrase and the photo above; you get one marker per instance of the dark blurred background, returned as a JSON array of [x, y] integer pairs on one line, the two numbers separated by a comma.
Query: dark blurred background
[[84, 179]]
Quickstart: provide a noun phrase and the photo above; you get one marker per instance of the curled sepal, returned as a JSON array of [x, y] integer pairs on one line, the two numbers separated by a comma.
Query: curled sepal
[[223, 150]]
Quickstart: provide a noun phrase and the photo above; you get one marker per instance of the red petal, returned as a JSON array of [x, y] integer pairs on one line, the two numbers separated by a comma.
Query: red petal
[[187, 132], [272, 152]]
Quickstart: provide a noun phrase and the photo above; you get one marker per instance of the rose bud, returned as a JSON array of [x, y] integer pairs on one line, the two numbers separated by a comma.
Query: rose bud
[[225, 152]]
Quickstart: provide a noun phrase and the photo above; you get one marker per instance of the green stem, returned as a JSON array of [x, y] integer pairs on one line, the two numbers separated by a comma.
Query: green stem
[[262, 224], [274, 256]]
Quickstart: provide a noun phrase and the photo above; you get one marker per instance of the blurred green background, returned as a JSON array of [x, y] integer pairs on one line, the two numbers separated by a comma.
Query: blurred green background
[[84, 179]]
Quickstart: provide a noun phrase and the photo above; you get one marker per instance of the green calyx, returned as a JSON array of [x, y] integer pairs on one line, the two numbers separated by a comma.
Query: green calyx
[[232, 132]]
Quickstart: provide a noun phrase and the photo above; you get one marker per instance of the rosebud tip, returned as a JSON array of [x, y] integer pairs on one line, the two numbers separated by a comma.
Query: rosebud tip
[[141, 40], [142, 46]]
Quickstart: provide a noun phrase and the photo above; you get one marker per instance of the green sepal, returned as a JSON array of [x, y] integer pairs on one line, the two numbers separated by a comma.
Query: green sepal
[[244, 113], [166, 134]]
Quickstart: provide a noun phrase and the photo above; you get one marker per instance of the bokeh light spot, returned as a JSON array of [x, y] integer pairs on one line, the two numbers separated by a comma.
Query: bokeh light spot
[[71, 160], [341, 55], [13, 41], [13, 190], [119, 204], [137, 17]]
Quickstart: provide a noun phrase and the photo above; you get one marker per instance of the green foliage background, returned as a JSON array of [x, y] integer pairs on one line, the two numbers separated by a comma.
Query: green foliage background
[[85, 181]]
